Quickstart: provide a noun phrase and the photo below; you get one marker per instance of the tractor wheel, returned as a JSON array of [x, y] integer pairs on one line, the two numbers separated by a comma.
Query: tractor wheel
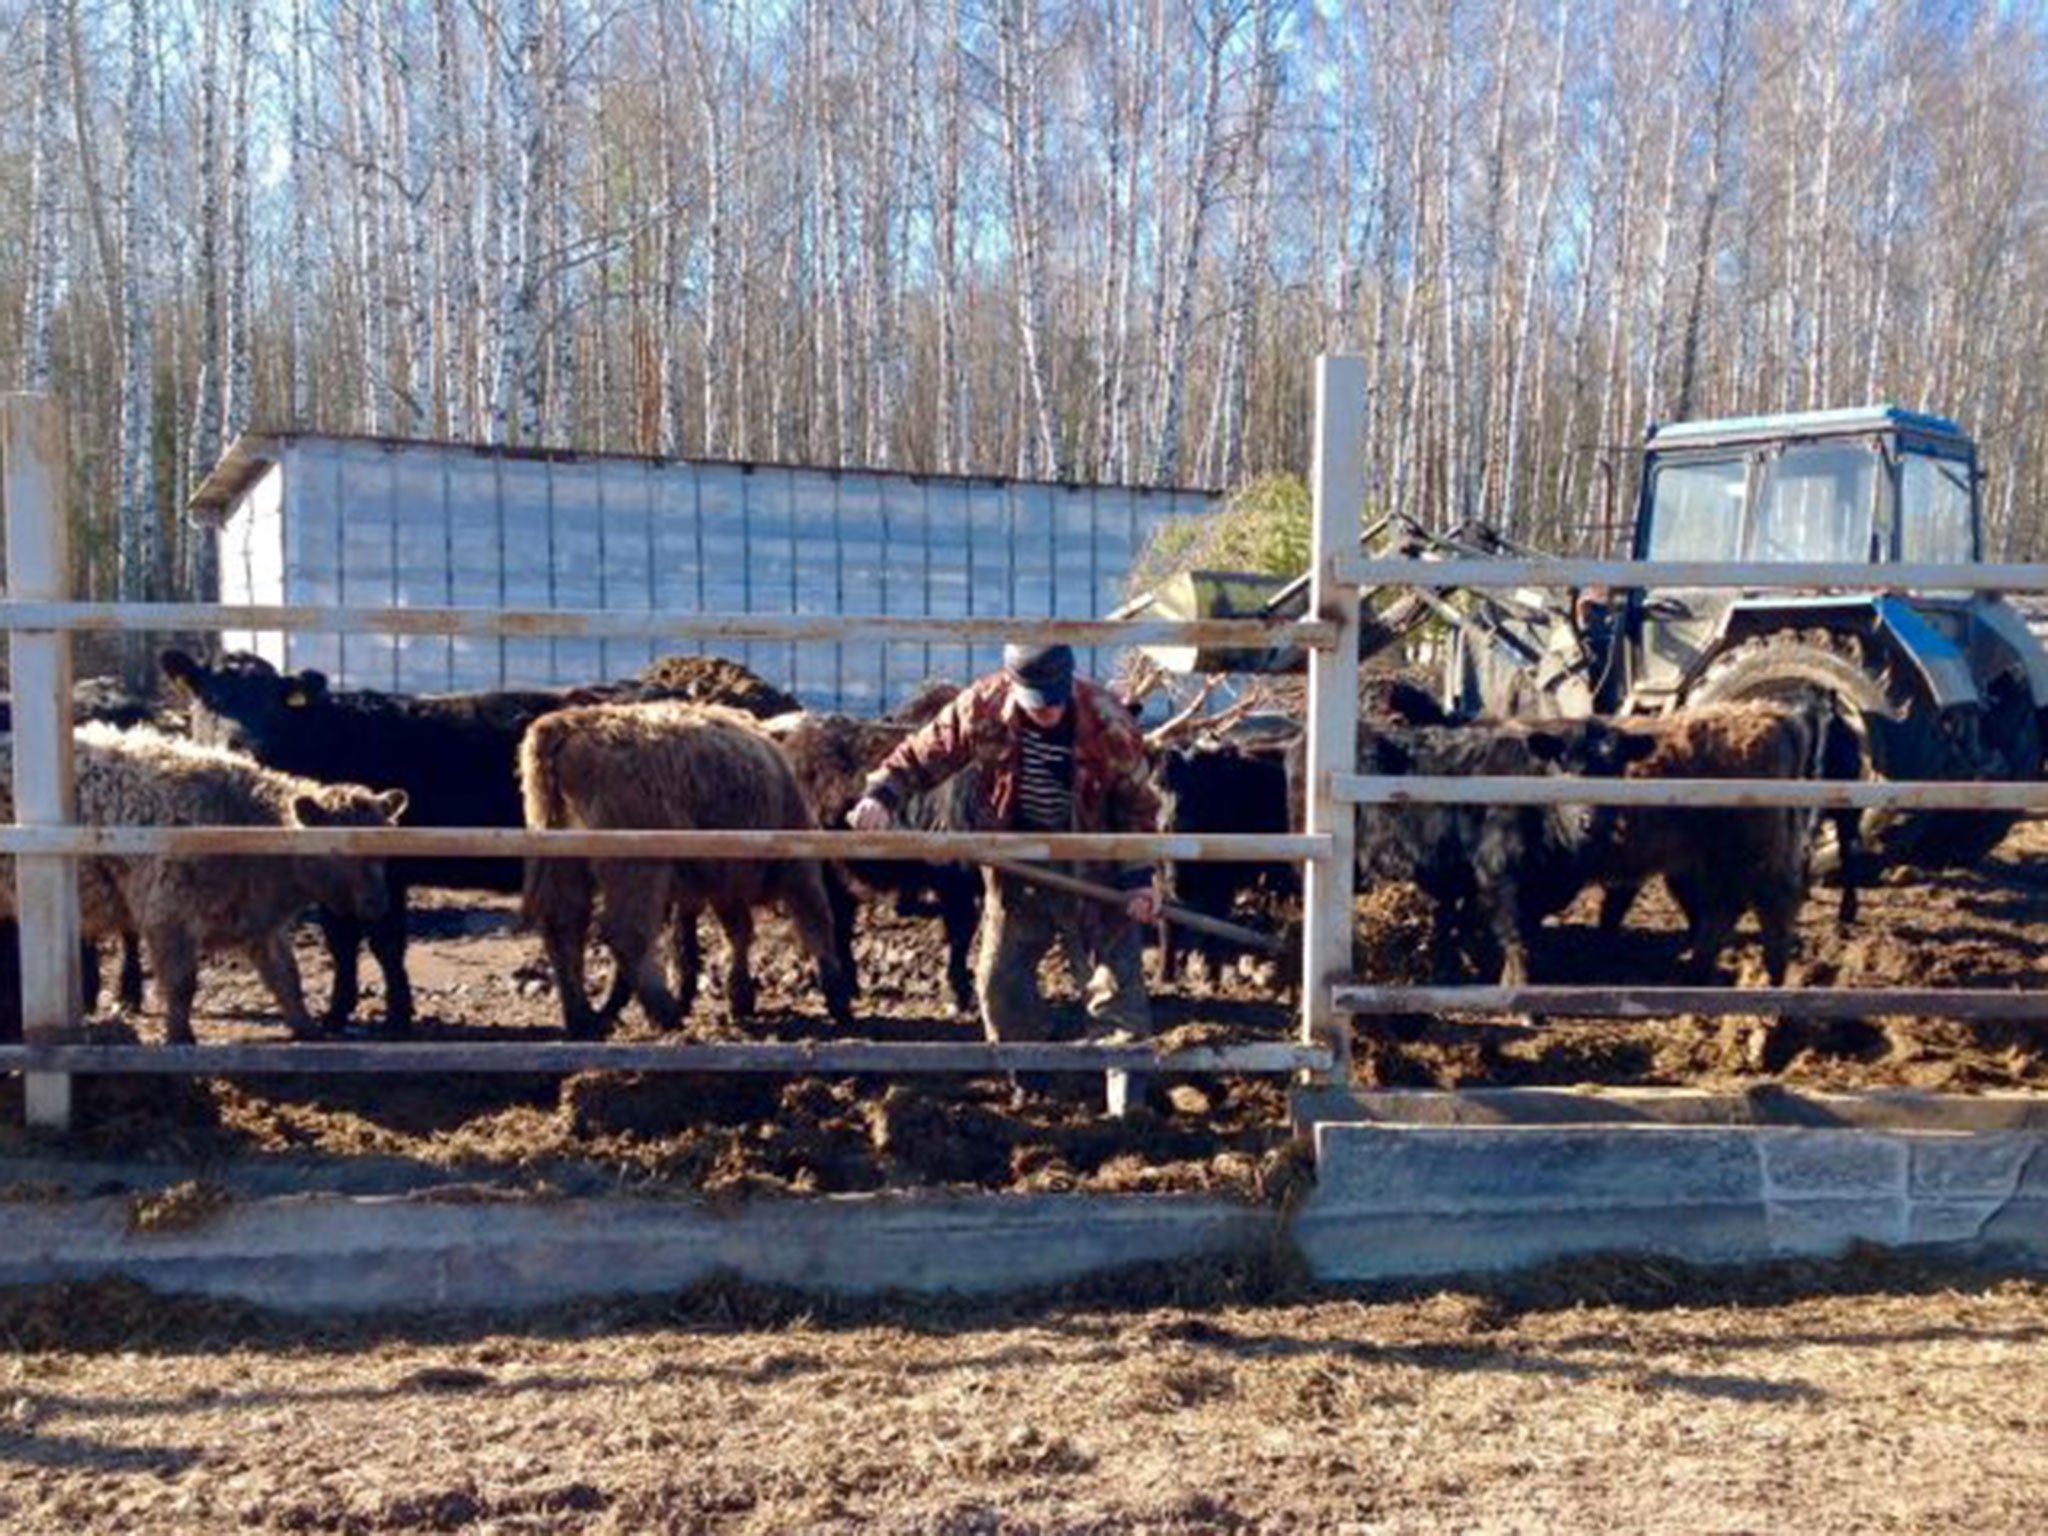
[[1903, 735]]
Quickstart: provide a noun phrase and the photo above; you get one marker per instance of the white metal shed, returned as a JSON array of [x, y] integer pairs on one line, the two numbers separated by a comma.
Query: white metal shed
[[321, 519]]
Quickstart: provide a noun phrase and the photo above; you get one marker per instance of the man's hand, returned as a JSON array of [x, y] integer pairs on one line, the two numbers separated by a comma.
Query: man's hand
[[1143, 906], [870, 815]]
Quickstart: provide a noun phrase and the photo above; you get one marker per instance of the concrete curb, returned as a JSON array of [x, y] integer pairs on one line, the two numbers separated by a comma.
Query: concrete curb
[[1404, 1201], [1892, 1109], [1409, 1185], [336, 1253]]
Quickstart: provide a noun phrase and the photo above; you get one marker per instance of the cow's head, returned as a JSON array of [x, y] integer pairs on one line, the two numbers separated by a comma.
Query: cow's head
[[354, 887], [244, 702], [1591, 748]]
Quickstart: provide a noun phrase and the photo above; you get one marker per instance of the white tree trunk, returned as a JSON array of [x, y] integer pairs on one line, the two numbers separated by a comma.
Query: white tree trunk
[[456, 293], [515, 394], [1204, 159], [1532, 267], [297, 289], [39, 309], [206, 410], [140, 536], [1019, 67], [711, 73], [237, 342], [412, 149]]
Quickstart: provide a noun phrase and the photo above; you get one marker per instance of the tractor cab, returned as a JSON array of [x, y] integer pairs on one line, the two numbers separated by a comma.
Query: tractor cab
[[1872, 486]]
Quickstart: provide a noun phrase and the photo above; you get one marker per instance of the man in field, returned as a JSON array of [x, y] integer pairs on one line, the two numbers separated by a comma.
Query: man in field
[[1057, 754]]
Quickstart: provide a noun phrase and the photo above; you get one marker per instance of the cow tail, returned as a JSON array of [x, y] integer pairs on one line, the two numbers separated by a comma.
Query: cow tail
[[546, 807]]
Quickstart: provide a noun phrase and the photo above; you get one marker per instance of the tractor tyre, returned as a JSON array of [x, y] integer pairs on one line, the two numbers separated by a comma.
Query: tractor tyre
[[1904, 736]]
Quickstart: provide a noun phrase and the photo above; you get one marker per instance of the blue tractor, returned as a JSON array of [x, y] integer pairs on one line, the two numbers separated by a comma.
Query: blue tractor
[[1939, 684]]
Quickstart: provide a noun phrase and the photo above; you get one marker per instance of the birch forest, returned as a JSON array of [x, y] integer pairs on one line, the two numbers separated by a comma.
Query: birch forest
[[1026, 237]]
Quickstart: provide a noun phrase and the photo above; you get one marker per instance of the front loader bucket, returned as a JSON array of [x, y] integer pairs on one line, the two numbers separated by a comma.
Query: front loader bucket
[[1217, 595]]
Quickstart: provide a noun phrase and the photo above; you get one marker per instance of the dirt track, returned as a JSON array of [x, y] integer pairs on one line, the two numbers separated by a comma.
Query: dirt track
[[476, 978], [1908, 1400]]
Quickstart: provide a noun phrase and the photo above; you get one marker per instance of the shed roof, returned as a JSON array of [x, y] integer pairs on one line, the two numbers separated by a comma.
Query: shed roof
[[254, 451]]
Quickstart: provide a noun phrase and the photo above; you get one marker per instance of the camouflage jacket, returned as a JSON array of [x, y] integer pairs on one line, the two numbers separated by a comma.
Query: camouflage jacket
[[1112, 784]]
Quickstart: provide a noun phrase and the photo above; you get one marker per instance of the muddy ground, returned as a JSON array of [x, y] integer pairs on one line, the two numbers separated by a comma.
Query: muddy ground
[[1870, 1395], [477, 978]]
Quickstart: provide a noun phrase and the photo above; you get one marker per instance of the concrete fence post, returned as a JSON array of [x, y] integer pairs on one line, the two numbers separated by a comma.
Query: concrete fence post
[[32, 467], [1339, 491]]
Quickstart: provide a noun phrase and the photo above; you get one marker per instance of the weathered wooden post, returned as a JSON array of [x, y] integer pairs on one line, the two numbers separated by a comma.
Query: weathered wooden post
[[1339, 490], [39, 567]]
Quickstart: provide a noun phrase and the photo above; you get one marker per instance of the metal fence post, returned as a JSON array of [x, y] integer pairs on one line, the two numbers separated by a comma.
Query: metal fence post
[[32, 463], [1339, 489]]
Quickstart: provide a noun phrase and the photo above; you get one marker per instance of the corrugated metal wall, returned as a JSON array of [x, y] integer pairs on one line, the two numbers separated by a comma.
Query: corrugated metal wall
[[371, 523]]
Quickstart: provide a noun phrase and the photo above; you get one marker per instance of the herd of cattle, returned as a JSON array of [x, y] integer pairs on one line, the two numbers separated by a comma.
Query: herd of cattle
[[703, 743]]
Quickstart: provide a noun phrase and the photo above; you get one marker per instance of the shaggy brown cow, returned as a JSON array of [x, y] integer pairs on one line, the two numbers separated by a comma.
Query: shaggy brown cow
[[1719, 864], [184, 906], [664, 766], [832, 756]]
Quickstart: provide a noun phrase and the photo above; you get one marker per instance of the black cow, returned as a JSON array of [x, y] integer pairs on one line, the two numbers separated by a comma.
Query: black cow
[[1494, 872], [1216, 787], [453, 754]]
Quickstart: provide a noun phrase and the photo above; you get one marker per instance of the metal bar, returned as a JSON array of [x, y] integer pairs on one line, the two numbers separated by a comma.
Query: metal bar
[[1180, 917], [518, 842], [1595, 1002], [579, 1056], [593, 624], [1338, 482], [32, 464], [1765, 575], [1692, 794]]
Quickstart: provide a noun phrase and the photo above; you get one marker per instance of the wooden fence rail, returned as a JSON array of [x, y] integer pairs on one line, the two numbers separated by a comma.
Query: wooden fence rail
[[1617, 1002], [796, 1056], [1693, 794], [1496, 575], [515, 842], [595, 624]]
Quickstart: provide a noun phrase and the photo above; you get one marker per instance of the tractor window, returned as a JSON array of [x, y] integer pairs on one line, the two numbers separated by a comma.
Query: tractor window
[[1816, 504], [1696, 513], [1935, 523]]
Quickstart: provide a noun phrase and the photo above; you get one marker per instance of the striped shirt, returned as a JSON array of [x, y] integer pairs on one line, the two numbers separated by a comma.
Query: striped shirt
[[1045, 777]]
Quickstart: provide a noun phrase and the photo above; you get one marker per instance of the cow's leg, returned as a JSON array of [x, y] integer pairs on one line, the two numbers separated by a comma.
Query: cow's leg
[[1778, 904], [1710, 919], [89, 975], [175, 958], [616, 996], [689, 956], [1509, 928], [1849, 847], [1778, 921], [844, 912], [1615, 901], [737, 919], [387, 943], [635, 909], [960, 910], [280, 972], [806, 895], [558, 903], [344, 936], [131, 971]]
